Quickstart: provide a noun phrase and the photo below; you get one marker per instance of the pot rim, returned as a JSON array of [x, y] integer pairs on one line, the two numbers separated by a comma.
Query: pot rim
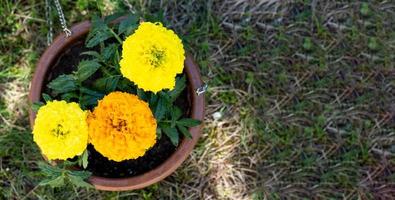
[[155, 175]]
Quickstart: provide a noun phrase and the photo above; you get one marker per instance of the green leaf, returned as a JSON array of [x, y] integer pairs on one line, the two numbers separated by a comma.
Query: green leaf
[[184, 131], [126, 86], [53, 181], [172, 133], [109, 51], [188, 122], [98, 37], [161, 108], [92, 53], [36, 106], [87, 68], [179, 87], [63, 84], [79, 182], [153, 99], [69, 96], [46, 97], [80, 173], [88, 91], [176, 113], [98, 33], [84, 159], [48, 170], [158, 133], [141, 94], [128, 25], [107, 84], [87, 101]]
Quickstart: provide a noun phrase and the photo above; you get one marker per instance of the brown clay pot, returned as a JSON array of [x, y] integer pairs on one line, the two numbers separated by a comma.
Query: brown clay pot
[[79, 32]]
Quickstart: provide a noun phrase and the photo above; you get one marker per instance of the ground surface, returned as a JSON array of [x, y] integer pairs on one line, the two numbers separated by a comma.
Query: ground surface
[[301, 100]]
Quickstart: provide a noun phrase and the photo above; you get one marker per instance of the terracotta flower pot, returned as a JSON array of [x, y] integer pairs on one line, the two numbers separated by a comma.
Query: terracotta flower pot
[[51, 56]]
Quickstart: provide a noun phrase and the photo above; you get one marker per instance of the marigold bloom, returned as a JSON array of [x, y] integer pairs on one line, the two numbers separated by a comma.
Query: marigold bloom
[[60, 130], [152, 57], [122, 127]]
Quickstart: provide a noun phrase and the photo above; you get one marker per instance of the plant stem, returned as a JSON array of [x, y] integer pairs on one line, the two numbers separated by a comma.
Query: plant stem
[[116, 36]]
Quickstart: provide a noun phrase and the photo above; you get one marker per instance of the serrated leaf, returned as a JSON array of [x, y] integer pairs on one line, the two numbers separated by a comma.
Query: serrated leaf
[[92, 53], [63, 84], [46, 97], [88, 91], [69, 96], [36, 106], [188, 122], [79, 182], [141, 94], [80, 173], [98, 25], [184, 131], [126, 86], [49, 171], [53, 182], [128, 24], [161, 108], [153, 99], [107, 84], [172, 133], [176, 113], [87, 68], [87, 101], [109, 51], [178, 88], [99, 36]]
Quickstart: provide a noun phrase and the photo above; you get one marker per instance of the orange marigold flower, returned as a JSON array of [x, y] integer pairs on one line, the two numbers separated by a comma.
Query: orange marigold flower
[[122, 127]]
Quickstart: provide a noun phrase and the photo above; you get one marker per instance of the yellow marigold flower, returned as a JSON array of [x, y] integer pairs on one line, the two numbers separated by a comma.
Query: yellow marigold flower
[[152, 57], [60, 130], [122, 127]]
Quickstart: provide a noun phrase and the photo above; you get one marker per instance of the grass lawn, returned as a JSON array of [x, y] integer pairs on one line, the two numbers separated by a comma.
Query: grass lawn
[[301, 99]]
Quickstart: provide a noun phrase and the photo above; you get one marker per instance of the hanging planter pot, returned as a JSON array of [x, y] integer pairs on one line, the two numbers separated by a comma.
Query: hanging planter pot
[[62, 57]]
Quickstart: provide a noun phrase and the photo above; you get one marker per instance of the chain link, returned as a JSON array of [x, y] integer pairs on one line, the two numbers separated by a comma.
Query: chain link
[[202, 89], [49, 21], [62, 19]]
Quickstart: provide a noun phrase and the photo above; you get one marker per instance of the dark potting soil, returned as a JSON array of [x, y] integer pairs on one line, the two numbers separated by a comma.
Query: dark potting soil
[[98, 164]]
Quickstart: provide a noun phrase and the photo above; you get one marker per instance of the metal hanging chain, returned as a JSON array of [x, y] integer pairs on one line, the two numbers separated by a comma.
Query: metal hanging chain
[[62, 19], [202, 89], [48, 11]]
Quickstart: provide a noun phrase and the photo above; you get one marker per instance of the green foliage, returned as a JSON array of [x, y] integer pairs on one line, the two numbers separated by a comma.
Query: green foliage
[[36, 105], [168, 115], [107, 84], [63, 84], [86, 68], [128, 25], [57, 176], [99, 32], [83, 159], [83, 86]]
